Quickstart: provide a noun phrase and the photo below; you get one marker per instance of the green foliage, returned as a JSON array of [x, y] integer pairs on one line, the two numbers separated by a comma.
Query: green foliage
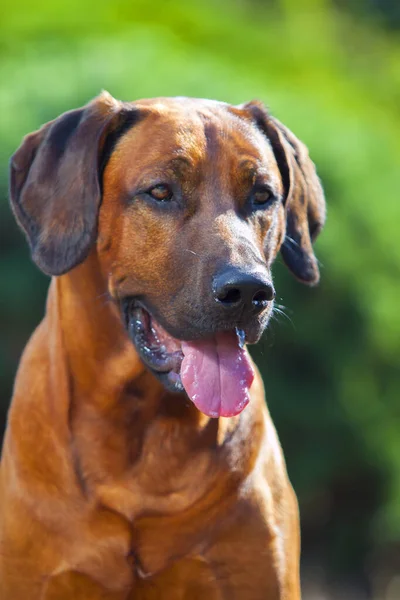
[[331, 371]]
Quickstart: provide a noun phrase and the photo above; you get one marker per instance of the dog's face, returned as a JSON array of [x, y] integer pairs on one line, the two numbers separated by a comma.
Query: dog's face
[[188, 202], [192, 217]]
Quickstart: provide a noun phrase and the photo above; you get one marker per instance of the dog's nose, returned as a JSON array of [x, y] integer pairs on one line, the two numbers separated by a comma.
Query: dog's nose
[[235, 289]]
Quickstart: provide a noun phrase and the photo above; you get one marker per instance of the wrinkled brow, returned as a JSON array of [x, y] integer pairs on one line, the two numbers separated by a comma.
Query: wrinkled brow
[[180, 164], [179, 167], [250, 170]]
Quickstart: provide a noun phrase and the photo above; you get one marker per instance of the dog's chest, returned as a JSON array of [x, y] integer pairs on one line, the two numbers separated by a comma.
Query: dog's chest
[[169, 480], [174, 492]]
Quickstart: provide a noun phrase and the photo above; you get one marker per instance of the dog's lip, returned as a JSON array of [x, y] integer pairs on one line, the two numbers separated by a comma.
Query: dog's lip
[[147, 335], [164, 365]]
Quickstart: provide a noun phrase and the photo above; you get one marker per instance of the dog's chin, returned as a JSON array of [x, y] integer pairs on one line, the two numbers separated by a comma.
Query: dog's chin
[[162, 353]]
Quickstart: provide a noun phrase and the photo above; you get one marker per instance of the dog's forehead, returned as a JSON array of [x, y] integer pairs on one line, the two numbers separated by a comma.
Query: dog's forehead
[[180, 104], [196, 129]]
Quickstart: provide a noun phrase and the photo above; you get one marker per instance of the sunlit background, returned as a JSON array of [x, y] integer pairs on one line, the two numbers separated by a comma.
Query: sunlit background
[[330, 69]]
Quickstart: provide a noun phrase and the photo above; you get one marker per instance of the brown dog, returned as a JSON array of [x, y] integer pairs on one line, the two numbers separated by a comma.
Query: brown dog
[[160, 220]]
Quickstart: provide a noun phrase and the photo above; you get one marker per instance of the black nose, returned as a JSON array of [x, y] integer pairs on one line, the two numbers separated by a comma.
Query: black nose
[[235, 289]]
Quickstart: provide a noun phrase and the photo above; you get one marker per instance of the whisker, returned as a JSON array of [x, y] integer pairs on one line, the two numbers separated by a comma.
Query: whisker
[[279, 309], [102, 295], [291, 240], [294, 243], [191, 252], [106, 298], [281, 306], [106, 301]]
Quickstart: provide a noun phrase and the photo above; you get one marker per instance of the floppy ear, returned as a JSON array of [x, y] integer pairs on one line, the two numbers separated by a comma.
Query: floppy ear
[[55, 187], [304, 198]]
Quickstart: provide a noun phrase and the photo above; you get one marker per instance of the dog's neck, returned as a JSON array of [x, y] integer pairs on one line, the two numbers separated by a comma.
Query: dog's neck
[[101, 358], [111, 401]]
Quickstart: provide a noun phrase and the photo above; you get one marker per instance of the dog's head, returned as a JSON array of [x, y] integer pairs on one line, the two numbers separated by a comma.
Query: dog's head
[[187, 203]]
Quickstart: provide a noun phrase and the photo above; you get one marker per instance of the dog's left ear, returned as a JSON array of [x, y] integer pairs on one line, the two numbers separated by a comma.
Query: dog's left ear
[[304, 198], [55, 182]]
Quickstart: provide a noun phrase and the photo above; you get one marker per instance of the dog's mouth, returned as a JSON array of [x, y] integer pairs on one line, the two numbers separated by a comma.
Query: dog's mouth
[[215, 372], [160, 352]]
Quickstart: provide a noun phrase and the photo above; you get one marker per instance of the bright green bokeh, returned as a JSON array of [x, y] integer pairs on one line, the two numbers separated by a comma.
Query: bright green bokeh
[[332, 374]]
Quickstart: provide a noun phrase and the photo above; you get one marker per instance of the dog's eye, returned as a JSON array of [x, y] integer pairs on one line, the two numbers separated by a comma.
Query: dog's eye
[[263, 196], [161, 192]]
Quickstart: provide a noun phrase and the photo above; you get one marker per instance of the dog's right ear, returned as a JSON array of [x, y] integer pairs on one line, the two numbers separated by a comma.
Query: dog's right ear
[[55, 187]]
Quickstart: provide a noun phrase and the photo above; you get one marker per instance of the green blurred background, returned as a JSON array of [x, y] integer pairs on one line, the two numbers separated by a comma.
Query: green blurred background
[[331, 71]]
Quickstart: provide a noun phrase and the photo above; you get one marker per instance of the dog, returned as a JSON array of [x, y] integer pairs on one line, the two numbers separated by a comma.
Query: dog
[[139, 460]]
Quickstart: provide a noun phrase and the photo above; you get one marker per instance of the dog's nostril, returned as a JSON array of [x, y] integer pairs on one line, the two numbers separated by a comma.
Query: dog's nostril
[[230, 296], [261, 297]]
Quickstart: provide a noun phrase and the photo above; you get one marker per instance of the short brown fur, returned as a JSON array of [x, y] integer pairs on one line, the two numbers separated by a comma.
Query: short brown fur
[[110, 486]]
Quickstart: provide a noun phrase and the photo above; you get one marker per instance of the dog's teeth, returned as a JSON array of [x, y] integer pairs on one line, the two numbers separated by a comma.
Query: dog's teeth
[[241, 337]]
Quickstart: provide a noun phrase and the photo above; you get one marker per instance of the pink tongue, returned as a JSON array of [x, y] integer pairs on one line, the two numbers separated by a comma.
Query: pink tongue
[[216, 374]]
